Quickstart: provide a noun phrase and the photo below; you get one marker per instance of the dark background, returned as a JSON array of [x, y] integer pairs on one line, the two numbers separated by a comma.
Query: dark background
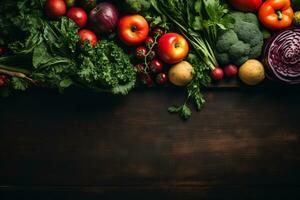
[[245, 144]]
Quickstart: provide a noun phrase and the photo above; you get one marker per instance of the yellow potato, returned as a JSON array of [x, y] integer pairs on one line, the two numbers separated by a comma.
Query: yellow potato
[[181, 74], [252, 72]]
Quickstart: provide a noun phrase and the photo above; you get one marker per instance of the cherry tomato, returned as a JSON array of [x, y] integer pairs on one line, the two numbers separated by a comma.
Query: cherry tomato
[[172, 48], [86, 34], [133, 29], [78, 15], [140, 53], [157, 32], [140, 68], [156, 66], [149, 42], [231, 71], [152, 55], [56, 8], [161, 78], [147, 80], [217, 74]]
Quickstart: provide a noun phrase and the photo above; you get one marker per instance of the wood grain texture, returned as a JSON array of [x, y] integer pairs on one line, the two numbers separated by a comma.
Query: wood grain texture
[[245, 144]]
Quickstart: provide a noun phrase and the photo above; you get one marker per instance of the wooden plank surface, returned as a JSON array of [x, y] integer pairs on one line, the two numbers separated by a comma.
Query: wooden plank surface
[[245, 144]]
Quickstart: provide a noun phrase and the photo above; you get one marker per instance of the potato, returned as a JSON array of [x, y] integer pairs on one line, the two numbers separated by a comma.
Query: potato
[[181, 74]]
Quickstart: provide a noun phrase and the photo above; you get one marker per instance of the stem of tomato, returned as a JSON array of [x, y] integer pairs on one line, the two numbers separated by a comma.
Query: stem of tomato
[[279, 13], [148, 53]]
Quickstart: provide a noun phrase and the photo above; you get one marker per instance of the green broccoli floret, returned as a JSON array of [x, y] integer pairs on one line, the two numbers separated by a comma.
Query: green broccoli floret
[[136, 6], [241, 41]]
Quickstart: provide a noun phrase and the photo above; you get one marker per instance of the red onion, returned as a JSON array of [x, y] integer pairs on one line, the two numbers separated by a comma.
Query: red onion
[[282, 56], [104, 17]]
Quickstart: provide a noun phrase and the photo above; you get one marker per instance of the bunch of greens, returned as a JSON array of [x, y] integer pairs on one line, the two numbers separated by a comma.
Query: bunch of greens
[[47, 53], [200, 22]]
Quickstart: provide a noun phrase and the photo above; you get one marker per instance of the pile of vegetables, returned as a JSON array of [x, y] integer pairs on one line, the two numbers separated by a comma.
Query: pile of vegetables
[[114, 46]]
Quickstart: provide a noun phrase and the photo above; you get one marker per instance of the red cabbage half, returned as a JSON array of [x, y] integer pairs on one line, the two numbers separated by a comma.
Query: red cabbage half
[[282, 56]]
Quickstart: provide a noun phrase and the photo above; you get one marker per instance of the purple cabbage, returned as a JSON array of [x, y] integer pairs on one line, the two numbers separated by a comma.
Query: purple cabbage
[[282, 56]]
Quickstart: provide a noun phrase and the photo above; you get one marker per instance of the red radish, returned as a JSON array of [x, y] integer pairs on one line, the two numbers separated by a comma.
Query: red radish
[[78, 15], [86, 34], [140, 52], [217, 74], [156, 66], [161, 79], [56, 8], [231, 71]]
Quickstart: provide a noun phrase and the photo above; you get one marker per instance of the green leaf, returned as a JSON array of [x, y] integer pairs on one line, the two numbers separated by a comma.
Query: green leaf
[[185, 112], [66, 83], [174, 109]]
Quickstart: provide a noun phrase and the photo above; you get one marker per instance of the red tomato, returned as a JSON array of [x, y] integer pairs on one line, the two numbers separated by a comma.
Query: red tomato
[[149, 42], [133, 29], [56, 8], [172, 48], [78, 15], [158, 32], [156, 66], [86, 34], [147, 80], [161, 79], [246, 5], [141, 52]]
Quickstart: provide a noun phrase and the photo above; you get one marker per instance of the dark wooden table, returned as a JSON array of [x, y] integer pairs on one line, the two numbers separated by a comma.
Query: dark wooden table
[[245, 144]]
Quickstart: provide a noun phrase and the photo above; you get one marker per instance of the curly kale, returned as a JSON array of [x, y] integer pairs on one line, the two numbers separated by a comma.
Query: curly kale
[[242, 41], [108, 67], [48, 53]]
